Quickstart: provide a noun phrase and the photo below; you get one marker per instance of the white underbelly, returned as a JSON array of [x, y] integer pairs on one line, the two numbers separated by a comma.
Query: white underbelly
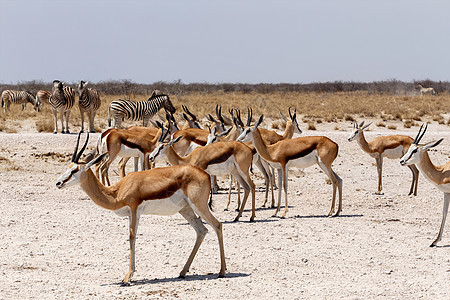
[[223, 168], [129, 152], [304, 162], [393, 153], [162, 207]]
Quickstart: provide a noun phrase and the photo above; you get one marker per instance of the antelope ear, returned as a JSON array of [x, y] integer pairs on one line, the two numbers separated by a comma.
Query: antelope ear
[[96, 160], [432, 144], [175, 140], [225, 132], [366, 126], [259, 121]]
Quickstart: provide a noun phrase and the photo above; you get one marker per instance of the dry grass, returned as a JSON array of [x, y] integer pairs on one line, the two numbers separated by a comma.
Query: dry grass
[[312, 107]]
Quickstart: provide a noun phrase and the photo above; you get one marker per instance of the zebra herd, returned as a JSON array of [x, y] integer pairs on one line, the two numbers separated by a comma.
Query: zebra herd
[[62, 99]]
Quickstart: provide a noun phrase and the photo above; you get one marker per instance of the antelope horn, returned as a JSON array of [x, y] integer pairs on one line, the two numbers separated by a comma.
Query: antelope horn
[[249, 119], [194, 118], [74, 155], [420, 135], [219, 115], [367, 125], [82, 149]]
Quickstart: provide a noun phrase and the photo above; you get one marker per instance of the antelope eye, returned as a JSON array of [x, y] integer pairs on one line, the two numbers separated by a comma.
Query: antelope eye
[[414, 151]]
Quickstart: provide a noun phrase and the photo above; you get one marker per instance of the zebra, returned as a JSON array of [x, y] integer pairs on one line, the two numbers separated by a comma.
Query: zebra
[[42, 96], [18, 97], [88, 102], [424, 90], [61, 100], [138, 110]]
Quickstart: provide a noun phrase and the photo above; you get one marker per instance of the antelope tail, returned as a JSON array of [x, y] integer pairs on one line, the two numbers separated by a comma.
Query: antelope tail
[[109, 117]]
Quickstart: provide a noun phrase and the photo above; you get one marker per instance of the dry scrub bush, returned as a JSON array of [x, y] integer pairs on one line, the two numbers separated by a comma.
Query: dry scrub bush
[[392, 127]]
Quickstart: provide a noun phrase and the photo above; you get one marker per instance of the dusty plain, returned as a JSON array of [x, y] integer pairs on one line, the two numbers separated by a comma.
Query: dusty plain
[[57, 244]]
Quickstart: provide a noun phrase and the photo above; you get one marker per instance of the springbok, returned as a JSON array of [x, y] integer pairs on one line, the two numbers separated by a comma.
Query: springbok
[[390, 146], [424, 91], [232, 135], [439, 175], [220, 158], [161, 191], [125, 143], [300, 152], [271, 137]]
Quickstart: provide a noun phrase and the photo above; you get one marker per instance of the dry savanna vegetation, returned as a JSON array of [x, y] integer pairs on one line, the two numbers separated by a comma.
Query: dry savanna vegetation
[[394, 111]]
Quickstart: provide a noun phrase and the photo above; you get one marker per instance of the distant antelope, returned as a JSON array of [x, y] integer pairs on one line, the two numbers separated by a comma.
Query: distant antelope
[[89, 102], [61, 100], [390, 146], [424, 90], [438, 175], [18, 97]]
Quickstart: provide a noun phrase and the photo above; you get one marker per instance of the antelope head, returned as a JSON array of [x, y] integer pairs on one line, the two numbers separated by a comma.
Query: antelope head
[[416, 151], [247, 134], [76, 168], [293, 117], [357, 130], [160, 150]]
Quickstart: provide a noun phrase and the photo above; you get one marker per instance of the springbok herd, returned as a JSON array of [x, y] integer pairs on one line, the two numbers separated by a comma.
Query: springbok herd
[[198, 155]]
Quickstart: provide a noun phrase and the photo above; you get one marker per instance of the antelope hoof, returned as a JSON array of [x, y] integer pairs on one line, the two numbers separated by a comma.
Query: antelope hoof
[[55, 132], [221, 275], [125, 283], [379, 193], [252, 219], [92, 131], [236, 219]]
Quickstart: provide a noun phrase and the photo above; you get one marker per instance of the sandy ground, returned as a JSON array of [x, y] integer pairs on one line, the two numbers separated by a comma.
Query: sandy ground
[[57, 244]]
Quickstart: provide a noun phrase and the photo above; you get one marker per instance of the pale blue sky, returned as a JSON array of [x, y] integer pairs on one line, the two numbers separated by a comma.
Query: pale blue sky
[[224, 41]]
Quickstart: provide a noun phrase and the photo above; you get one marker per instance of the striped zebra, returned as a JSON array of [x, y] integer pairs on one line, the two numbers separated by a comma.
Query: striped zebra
[[88, 102], [61, 100], [18, 97], [138, 110], [43, 97]]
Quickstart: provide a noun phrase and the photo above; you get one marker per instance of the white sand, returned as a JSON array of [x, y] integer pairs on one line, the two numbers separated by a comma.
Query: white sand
[[57, 244]]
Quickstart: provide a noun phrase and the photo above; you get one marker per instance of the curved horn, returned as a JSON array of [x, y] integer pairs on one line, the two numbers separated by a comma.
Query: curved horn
[[194, 117], [420, 134], [82, 149], [163, 134], [249, 118], [219, 114], [74, 155]]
